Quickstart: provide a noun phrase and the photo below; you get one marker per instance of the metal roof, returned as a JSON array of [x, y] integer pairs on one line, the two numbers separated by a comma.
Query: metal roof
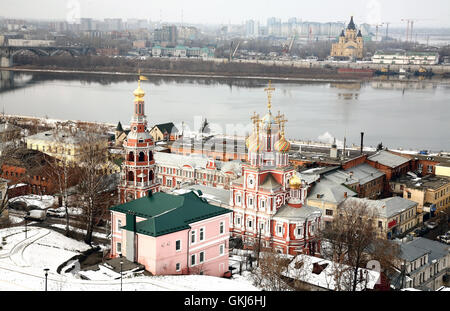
[[294, 213], [388, 159], [362, 174], [386, 207], [327, 190]]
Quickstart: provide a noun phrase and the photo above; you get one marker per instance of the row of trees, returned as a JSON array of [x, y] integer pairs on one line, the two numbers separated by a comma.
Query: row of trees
[[162, 65]]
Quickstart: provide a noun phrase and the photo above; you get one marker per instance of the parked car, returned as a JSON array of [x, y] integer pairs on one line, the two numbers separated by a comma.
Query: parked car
[[32, 207], [418, 232], [18, 205], [421, 231], [444, 239], [431, 224], [36, 214], [56, 212]]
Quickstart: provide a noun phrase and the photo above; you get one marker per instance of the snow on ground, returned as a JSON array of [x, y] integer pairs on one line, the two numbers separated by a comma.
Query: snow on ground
[[41, 201], [96, 234], [22, 263], [75, 210], [15, 219]]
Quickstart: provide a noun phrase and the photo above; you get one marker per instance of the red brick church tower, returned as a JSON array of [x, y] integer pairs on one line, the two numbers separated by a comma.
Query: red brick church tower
[[268, 201], [138, 168]]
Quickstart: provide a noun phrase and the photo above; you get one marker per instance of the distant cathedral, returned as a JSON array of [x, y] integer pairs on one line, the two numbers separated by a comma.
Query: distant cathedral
[[350, 43]]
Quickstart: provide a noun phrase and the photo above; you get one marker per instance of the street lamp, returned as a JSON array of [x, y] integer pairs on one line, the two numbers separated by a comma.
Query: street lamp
[[46, 274], [121, 263], [25, 227]]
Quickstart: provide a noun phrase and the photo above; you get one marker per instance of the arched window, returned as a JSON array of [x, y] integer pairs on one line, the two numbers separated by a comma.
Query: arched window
[[130, 176], [150, 176], [141, 156], [150, 156], [131, 156]]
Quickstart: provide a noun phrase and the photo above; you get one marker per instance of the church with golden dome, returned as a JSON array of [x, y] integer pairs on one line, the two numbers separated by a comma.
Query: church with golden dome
[[138, 169], [350, 44], [268, 200]]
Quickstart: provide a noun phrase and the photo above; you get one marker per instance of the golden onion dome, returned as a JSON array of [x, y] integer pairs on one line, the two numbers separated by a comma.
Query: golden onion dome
[[282, 145], [139, 93], [295, 182]]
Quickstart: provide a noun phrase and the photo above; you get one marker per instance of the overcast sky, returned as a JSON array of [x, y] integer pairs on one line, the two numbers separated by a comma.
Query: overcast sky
[[432, 12]]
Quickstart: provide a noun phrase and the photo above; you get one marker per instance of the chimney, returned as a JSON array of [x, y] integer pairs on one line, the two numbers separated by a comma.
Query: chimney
[[362, 140]]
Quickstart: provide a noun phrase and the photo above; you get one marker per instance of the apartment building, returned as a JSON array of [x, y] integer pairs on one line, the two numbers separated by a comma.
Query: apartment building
[[393, 216], [423, 264], [431, 192]]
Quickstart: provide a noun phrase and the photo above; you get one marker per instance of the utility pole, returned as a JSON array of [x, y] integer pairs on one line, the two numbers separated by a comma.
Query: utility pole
[[121, 263]]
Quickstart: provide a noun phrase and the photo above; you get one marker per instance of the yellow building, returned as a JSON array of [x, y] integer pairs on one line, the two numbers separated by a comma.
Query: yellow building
[[350, 43], [65, 145], [431, 192], [443, 169], [164, 132], [327, 196]]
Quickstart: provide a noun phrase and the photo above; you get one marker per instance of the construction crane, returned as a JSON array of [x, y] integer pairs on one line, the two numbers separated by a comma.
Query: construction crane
[[410, 26], [387, 29], [376, 32], [288, 47], [292, 42], [232, 53]]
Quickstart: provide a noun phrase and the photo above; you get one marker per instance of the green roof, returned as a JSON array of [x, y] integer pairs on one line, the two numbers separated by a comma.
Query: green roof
[[167, 213], [170, 128]]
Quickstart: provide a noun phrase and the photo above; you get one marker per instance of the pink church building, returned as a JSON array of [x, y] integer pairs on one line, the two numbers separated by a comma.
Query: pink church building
[[269, 199], [172, 234]]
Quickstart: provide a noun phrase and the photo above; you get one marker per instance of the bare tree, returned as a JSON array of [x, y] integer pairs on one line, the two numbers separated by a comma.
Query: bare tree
[[270, 273], [64, 175], [63, 172], [351, 240], [94, 193]]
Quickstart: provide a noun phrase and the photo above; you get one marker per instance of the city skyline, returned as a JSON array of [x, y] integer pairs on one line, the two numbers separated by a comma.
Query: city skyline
[[224, 12]]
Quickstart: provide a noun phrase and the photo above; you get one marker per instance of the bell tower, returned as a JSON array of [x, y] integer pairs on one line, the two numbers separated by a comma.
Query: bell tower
[[138, 167]]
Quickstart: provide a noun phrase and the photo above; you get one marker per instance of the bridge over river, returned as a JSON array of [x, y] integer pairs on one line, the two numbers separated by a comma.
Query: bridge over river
[[7, 52]]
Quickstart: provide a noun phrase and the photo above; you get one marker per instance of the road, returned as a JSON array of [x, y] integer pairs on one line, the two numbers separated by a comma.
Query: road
[[58, 224]]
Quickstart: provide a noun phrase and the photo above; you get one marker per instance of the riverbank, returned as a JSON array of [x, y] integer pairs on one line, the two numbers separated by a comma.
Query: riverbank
[[44, 124], [34, 69], [348, 78]]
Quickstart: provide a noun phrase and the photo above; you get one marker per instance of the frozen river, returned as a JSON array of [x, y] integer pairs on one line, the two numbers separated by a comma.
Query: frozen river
[[409, 115]]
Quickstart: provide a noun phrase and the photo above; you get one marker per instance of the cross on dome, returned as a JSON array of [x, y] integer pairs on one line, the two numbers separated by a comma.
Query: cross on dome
[[269, 91], [281, 121]]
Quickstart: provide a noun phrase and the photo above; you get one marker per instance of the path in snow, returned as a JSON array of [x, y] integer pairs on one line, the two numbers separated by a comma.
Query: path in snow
[[21, 276], [16, 253]]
